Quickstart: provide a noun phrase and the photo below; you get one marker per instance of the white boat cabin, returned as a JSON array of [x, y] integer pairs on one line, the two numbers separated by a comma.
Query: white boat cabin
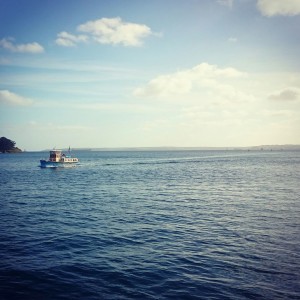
[[58, 156]]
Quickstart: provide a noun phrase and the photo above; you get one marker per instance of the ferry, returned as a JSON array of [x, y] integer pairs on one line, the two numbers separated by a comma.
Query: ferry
[[59, 159]]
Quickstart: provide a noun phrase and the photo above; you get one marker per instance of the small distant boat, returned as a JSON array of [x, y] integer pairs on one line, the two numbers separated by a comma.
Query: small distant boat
[[59, 159]]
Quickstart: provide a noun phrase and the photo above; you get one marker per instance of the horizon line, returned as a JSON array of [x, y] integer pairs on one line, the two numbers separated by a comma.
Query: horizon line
[[170, 148]]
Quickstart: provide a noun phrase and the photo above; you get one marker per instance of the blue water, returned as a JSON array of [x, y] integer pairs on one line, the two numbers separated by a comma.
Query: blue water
[[151, 225]]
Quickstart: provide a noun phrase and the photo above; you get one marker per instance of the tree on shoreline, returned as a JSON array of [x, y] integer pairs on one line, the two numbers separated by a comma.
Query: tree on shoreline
[[7, 145]]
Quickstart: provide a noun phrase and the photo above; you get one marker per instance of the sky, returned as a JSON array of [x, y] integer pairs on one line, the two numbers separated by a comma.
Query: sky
[[131, 73]]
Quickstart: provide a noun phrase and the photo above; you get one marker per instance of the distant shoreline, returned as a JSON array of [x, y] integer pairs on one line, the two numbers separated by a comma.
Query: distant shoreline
[[250, 148]]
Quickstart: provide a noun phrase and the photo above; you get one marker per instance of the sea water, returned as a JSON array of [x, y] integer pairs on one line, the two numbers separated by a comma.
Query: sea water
[[151, 225]]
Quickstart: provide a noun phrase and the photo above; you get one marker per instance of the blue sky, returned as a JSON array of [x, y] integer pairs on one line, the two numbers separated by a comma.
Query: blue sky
[[131, 73]]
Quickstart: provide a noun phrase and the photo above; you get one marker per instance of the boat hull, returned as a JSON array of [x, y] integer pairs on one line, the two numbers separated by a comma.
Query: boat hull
[[53, 164]]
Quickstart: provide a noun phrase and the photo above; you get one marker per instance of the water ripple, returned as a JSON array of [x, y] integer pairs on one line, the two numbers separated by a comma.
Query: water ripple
[[151, 225]]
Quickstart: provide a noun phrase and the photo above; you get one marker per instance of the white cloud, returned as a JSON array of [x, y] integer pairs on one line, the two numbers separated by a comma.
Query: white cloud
[[115, 31], [69, 40], [21, 48], [287, 94], [165, 85], [182, 82], [271, 8], [107, 31], [10, 98]]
